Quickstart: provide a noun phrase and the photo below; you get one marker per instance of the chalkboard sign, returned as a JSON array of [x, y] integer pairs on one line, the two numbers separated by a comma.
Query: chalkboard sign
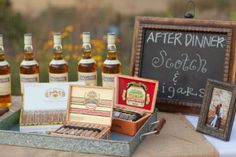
[[182, 54]]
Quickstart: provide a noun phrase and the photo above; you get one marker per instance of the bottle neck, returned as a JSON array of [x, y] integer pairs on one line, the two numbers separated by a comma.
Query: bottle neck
[[86, 50], [28, 52], [2, 53], [2, 56], [57, 52], [112, 52]]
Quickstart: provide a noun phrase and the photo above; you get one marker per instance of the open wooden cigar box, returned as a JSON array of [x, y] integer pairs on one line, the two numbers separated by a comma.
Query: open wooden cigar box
[[89, 112], [135, 102]]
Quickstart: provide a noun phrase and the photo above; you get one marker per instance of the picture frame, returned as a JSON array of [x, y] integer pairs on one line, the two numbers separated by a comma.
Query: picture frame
[[142, 59], [218, 110]]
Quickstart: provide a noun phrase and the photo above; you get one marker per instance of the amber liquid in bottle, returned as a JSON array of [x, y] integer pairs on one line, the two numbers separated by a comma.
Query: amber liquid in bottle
[[5, 79], [111, 66], [29, 68], [87, 67], [58, 67]]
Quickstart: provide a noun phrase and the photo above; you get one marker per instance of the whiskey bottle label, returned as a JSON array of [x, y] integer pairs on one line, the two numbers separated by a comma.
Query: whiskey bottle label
[[111, 62], [89, 78], [5, 84], [63, 77], [108, 80], [28, 78]]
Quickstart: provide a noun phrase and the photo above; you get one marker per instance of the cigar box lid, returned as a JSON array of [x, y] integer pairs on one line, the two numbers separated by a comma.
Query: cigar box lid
[[137, 94], [90, 104]]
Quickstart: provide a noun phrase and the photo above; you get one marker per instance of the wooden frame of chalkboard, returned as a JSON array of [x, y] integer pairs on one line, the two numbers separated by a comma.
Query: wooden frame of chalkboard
[[209, 44]]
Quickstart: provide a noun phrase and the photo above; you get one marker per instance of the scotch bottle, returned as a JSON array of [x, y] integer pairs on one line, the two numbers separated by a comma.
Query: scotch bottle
[[87, 67], [5, 78], [29, 67], [111, 66], [58, 67]]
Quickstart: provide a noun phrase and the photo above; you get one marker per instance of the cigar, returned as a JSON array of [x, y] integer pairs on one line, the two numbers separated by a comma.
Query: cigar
[[40, 117], [23, 118], [94, 134], [45, 117], [72, 130], [89, 133], [66, 130], [36, 115], [84, 130], [26, 117], [79, 132], [60, 130], [31, 117]]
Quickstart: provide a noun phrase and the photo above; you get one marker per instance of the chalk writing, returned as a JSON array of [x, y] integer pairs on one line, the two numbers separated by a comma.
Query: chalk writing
[[188, 40], [184, 63], [186, 91]]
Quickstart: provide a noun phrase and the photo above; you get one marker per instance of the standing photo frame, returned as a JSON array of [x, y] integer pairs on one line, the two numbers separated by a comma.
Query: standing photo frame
[[181, 54], [218, 110]]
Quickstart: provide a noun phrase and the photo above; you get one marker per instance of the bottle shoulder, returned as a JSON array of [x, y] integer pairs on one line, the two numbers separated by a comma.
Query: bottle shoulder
[[87, 61], [111, 62], [58, 62], [4, 63], [29, 63]]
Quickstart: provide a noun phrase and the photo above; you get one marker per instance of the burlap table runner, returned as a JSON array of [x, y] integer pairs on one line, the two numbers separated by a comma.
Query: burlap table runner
[[178, 138]]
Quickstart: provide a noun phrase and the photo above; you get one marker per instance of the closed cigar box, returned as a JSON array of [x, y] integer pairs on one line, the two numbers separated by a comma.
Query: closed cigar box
[[135, 102], [89, 113]]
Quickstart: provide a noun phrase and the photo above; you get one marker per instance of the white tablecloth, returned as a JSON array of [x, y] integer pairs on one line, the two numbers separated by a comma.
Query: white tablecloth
[[226, 149]]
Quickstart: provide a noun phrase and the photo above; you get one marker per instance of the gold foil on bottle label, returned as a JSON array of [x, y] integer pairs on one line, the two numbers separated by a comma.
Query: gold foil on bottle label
[[108, 80], [89, 78], [63, 77], [5, 84], [28, 78]]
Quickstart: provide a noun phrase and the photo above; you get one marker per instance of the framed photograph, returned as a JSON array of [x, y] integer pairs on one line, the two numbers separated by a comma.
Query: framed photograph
[[218, 110]]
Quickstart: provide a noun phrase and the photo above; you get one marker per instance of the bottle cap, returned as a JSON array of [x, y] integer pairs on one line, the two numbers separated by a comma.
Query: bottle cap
[[111, 38], [28, 39], [1, 39], [86, 37], [57, 39]]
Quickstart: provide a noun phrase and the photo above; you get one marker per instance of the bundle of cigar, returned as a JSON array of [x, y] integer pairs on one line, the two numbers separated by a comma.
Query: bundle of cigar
[[126, 115], [43, 117], [80, 129]]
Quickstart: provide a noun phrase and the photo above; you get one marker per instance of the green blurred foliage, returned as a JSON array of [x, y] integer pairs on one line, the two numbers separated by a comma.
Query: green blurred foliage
[[90, 18], [204, 9], [233, 16], [13, 27]]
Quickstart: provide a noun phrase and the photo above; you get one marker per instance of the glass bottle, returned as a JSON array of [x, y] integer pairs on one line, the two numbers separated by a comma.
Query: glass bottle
[[111, 66], [87, 67], [5, 78], [29, 67], [58, 67]]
